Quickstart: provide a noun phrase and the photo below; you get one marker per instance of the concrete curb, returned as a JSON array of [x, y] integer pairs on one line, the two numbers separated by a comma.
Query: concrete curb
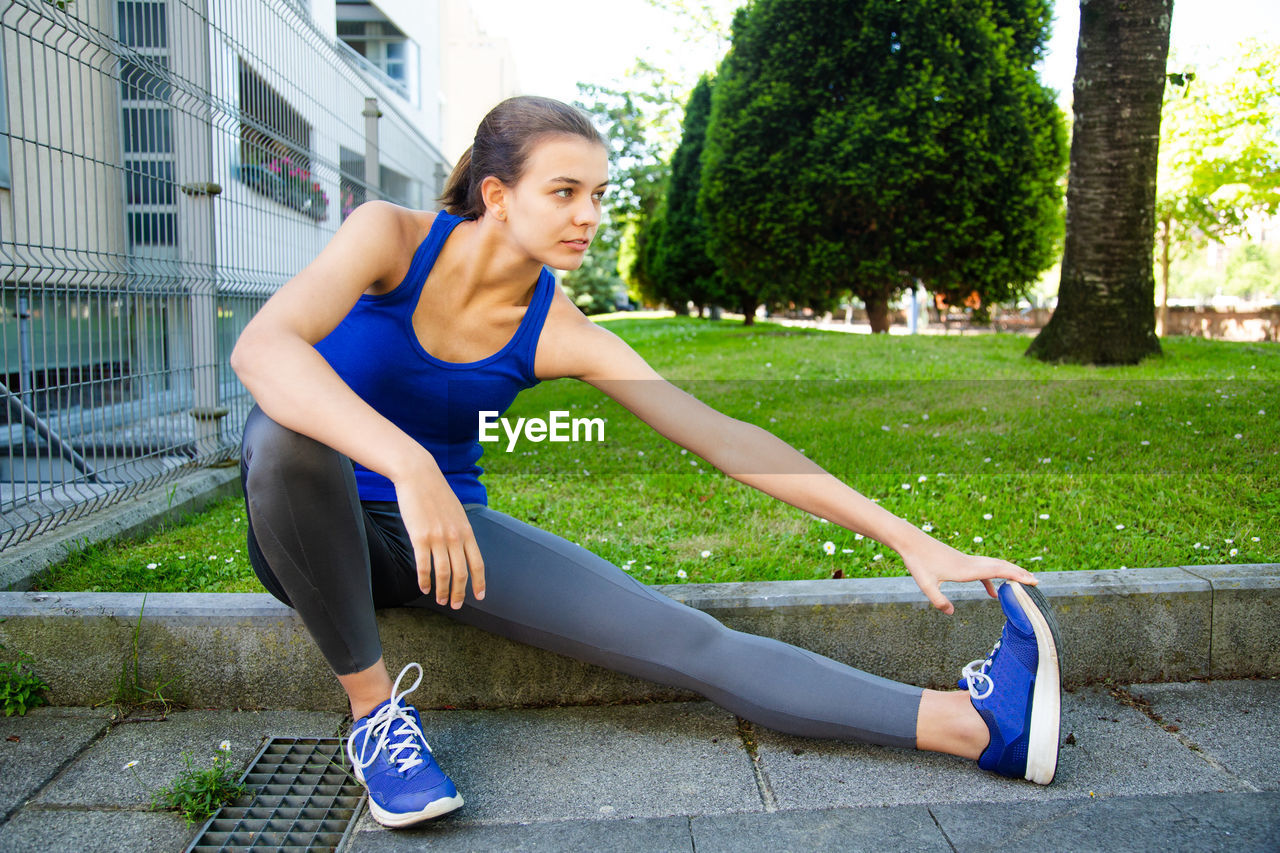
[[130, 519], [250, 651]]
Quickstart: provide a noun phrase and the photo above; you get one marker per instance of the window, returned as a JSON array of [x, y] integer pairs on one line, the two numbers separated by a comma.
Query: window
[[147, 123], [368, 32], [400, 188], [351, 183], [275, 148]]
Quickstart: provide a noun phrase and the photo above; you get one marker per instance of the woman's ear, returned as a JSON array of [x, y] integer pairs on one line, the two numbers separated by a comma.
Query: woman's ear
[[494, 195]]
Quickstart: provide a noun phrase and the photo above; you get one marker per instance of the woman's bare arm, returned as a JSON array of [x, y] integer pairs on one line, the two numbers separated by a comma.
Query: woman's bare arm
[[758, 458]]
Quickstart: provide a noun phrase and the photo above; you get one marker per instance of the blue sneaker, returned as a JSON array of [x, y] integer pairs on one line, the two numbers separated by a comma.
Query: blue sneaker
[[393, 760], [1018, 688]]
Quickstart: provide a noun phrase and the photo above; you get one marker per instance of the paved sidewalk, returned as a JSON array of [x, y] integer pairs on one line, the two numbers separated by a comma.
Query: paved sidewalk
[[1193, 766]]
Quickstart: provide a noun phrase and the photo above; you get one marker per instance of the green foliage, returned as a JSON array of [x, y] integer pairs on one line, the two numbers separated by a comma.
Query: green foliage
[[198, 792], [855, 145], [1252, 271], [678, 267], [1219, 149], [130, 691], [200, 553], [20, 688], [594, 286], [633, 121]]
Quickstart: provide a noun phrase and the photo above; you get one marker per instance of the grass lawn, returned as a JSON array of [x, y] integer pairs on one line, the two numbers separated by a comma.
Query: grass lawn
[[1172, 462]]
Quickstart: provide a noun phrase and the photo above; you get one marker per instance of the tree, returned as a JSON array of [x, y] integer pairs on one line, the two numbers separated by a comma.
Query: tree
[[857, 145], [675, 258], [634, 123], [594, 286], [1219, 155], [639, 117], [1106, 293]]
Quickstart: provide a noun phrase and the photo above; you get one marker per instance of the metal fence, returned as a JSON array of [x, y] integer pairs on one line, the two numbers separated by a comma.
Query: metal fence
[[165, 165]]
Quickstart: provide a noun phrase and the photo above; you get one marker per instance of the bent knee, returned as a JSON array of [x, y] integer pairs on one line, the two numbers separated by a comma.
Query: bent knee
[[275, 453]]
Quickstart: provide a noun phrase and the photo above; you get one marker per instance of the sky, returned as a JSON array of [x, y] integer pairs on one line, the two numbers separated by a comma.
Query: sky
[[557, 43]]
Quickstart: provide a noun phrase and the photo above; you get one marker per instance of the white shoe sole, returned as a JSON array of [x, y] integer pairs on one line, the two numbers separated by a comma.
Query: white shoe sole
[[1046, 700], [396, 821]]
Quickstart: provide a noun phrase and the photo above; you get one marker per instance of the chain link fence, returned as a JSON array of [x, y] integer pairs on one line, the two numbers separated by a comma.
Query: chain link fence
[[165, 165]]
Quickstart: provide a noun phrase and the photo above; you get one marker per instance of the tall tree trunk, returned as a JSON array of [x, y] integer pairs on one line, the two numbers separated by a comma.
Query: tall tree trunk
[[1107, 290], [1166, 237], [878, 311]]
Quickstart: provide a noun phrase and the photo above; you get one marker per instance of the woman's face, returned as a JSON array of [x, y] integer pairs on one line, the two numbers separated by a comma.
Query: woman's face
[[553, 212]]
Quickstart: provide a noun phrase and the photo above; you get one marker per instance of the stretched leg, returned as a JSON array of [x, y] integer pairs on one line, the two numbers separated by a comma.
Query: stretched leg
[[548, 592]]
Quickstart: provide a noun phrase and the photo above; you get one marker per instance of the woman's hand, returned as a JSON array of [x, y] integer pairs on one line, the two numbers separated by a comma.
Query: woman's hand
[[442, 538], [931, 562]]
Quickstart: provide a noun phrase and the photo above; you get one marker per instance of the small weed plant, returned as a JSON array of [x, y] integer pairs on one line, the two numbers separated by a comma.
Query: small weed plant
[[130, 692], [198, 792], [20, 688]]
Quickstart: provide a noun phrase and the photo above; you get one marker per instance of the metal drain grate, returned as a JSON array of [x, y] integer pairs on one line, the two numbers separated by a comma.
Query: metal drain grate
[[305, 799]]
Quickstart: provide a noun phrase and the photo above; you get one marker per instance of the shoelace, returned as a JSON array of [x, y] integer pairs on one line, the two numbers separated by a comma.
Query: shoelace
[[381, 725], [976, 671]]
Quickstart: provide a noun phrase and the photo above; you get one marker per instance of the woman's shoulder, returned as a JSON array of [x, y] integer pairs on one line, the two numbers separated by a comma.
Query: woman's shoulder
[[569, 340], [394, 232]]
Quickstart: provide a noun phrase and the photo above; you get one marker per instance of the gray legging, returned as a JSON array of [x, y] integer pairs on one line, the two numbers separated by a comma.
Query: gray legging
[[319, 549]]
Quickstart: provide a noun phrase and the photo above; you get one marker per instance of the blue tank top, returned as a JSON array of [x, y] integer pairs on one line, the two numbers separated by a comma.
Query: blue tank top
[[377, 353]]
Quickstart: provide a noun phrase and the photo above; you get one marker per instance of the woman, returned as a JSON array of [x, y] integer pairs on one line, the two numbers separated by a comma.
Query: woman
[[359, 465]]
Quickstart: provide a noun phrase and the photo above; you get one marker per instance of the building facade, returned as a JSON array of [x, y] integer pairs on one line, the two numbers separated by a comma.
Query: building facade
[[164, 168]]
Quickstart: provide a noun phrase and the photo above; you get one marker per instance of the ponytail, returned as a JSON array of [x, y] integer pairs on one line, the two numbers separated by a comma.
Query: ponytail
[[458, 187]]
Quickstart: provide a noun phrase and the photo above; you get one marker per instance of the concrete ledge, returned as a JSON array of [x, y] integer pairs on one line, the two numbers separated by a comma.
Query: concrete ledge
[[250, 651], [1246, 613], [131, 518]]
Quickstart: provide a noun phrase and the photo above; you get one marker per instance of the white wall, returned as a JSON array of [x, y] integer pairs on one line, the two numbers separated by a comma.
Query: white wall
[[479, 71]]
